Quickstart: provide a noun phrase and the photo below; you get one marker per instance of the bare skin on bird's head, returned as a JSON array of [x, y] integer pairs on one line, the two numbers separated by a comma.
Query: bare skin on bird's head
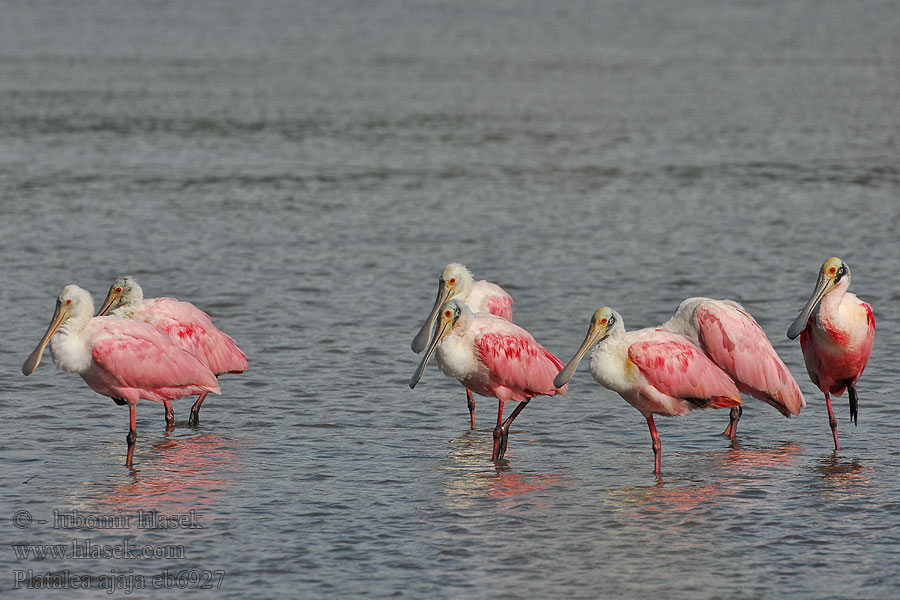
[[602, 322], [833, 272]]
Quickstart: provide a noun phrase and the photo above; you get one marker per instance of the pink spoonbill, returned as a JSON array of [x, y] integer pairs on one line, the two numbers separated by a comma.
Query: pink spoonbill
[[656, 371], [836, 332], [492, 357], [187, 327], [125, 360], [480, 296], [735, 342]]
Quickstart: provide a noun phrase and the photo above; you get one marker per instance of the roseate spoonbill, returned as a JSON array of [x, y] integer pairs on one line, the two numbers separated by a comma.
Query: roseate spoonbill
[[185, 324], [836, 332], [480, 296], [656, 371], [735, 342], [125, 360], [492, 357]]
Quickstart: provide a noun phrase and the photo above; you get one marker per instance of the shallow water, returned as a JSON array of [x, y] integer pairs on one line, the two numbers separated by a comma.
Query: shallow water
[[303, 172]]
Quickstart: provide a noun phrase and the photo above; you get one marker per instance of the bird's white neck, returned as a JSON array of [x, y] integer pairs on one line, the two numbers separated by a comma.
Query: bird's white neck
[[70, 349]]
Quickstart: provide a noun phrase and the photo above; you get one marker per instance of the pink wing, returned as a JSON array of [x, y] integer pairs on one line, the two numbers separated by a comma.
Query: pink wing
[[677, 368], [490, 298], [192, 329], [133, 358], [501, 306], [516, 361], [737, 344]]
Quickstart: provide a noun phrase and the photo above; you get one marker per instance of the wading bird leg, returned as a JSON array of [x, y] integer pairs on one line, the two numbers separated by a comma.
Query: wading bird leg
[[731, 430], [131, 438], [498, 432], [170, 414], [854, 403], [506, 425], [832, 421], [194, 419], [657, 445], [470, 399]]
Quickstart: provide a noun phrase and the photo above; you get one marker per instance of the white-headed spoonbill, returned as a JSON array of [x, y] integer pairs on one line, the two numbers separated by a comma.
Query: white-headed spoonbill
[[656, 371], [185, 324], [482, 296], [125, 360], [492, 357]]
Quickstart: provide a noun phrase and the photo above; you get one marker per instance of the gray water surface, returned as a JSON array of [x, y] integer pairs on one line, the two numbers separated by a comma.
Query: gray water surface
[[302, 172]]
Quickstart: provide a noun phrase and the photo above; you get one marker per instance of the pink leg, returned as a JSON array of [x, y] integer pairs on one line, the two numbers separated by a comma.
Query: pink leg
[[170, 414], [734, 417], [471, 402], [657, 445], [832, 421], [131, 438], [194, 419]]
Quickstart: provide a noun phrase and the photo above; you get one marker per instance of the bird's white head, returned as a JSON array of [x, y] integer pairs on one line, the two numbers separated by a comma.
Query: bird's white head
[[453, 314], [74, 308], [604, 322], [455, 282], [124, 292], [458, 280], [834, 274]]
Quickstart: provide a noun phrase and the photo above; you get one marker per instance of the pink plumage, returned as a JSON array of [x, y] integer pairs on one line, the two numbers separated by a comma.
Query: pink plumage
[[185, 325], [834, 364], [192, 329], [490, 298], [492, 357], [132, 360], [125, 360], [657, 371], [678, 369], [735, 342], [516, 367]]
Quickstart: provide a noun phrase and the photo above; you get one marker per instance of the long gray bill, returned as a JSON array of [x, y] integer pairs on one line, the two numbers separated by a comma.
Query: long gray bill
[[799, 323], [421, 339], [440, 332], [563, 377], [34, 359]]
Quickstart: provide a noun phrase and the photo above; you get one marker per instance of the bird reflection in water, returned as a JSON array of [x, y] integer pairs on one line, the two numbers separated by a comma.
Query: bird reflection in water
[[844, 476], [470, 477], [667, 497], [179, 474], [751, 462], [738, 466]]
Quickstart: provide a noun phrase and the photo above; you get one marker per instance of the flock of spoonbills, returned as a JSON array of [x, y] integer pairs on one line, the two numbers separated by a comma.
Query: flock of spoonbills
[[159, 349], [704, 356]]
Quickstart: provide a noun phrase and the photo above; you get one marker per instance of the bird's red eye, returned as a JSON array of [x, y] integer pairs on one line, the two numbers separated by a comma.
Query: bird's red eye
[[604, 320], [118, 290], [69, 301], [452, 280], [448, 314], [832, 270]]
